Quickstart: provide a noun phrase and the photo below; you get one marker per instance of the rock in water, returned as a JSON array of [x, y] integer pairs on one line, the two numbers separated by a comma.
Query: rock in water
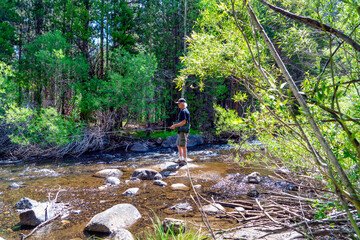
[[254, 178], [36, 215], [14, 186], [139, 147], [112, 181], [213, 208], [122, 234], [131, 192], [176, 225], [253, 193], [105, 173], [114, 219], [160, 183], [182, 208], [26, 203], [146, 174]]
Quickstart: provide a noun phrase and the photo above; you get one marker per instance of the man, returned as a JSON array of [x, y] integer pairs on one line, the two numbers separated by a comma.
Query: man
[[183, 126]]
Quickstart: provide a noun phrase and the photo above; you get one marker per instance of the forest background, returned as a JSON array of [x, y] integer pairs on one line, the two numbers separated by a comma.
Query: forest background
[[285, 71]]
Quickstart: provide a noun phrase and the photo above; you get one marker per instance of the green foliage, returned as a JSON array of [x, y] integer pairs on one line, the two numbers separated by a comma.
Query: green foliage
[[45, 127], [130, 87], [158, 233], [323, 209], [228, 120]]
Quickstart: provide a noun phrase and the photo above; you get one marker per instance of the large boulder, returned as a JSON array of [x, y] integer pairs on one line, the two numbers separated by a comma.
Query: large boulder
[[193, 140], [139, 147], [114, 219], [146, 174], [26, 203], [105, 173], [36, 215]]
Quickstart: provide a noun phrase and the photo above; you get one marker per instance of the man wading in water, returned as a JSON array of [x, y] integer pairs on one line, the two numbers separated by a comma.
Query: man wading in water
[[183, 128]]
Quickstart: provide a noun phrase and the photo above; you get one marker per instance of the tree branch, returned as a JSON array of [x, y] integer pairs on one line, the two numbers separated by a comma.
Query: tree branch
[[313, 23]]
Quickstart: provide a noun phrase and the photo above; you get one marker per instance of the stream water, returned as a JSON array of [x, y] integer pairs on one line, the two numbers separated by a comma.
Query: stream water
[[40, 181]]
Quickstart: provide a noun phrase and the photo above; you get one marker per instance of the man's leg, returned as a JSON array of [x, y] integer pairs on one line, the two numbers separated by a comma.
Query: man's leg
[[180, 152], [184, 152]]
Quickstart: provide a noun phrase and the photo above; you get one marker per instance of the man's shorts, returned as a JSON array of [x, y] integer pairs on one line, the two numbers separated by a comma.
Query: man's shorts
[[182, 139]]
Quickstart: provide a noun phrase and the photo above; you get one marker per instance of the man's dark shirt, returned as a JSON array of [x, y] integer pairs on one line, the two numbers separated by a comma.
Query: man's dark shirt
[[184, 114]]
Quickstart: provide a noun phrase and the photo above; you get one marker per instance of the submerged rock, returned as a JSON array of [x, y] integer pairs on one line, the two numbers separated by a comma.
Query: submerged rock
[[179, 186], [176, 225], [114, 219], [146, 174], [131, 192], [182, 208], [213, 208], [26, 203], [14, 186], [105, 173], [160, 183], [112, 181]]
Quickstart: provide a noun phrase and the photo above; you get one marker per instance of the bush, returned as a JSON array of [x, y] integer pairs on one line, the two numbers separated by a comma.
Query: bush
[[44, 127]]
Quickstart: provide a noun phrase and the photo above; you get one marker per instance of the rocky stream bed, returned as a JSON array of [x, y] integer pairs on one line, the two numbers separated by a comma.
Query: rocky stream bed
[[79, 189]]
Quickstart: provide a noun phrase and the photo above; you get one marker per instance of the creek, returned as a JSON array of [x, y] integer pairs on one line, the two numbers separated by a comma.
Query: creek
[[41, 180]]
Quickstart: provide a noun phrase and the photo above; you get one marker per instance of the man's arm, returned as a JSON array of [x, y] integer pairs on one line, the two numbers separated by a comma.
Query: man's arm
[[182, 123]]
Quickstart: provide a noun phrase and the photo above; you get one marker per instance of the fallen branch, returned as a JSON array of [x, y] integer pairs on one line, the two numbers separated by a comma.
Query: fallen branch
[[40, 226]]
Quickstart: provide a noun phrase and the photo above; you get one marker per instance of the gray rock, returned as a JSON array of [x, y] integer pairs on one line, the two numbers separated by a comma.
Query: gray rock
[[168, 166], [146, 174], [213, 208], [179, 186], [253, 193], [36, 215], [160, 183], [114, 219], [254, 177], [122, 234], [112, 181], [105, 173], [26, 203], [176, 225], [159, 141], [139, 147], [193, 140], [182, 208], [131, 192], [14, 186]]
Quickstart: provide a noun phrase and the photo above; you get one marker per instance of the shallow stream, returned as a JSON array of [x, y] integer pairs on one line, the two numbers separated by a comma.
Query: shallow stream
[[210, 166]]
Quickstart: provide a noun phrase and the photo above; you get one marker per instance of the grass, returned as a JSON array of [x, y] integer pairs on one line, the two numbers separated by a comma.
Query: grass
[[158, 233], [161, 134]]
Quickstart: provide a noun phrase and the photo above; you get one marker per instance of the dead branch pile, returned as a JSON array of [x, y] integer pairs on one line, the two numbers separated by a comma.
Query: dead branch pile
[[284, 211]]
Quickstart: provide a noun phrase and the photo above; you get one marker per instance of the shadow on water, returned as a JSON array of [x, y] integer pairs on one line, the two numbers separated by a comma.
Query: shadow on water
[[211, 166]]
